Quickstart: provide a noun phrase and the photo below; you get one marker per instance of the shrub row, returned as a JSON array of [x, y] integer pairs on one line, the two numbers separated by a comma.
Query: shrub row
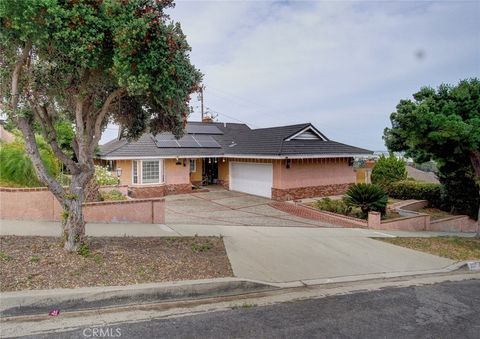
[[408, 189]]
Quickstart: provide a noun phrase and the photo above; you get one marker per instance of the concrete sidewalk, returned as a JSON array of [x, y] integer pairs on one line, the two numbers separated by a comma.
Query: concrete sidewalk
[[279, 254], [51, 228]]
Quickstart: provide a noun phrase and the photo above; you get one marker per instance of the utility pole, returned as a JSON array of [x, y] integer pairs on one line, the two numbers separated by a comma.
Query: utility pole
[[201, 98]]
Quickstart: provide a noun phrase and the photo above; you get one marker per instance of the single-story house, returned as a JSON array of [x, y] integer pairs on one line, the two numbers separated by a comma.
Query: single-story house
[[282, 163]]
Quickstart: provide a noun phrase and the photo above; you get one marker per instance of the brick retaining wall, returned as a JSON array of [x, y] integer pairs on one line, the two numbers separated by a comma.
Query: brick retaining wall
[[155, 191], [412, 221], [311, 213]]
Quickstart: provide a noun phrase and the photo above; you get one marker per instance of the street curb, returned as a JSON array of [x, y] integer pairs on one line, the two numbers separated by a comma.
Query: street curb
[[362, 277], [34, 302]]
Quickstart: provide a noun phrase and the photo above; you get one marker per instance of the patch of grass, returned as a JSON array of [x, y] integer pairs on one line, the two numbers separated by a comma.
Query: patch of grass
[[4, 256], [112, 195], [392, 200], [98, 259], [244, 306], [201, 246], [455, 248], [84, 250], [435, 213], [391, 215], [34, 259]]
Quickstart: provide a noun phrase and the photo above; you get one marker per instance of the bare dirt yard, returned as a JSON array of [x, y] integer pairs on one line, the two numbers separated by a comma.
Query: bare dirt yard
[[456, 248], [41, 263]]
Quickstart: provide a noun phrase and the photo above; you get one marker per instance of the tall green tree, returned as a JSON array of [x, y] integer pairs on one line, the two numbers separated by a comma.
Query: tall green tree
[[442, 124], [91, 62]]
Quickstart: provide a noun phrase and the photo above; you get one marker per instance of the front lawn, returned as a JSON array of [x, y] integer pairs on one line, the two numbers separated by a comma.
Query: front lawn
[[456, 248], [41, 263]]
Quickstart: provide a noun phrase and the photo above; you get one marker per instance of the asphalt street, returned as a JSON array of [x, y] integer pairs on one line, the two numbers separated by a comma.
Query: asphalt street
[[443, 310]]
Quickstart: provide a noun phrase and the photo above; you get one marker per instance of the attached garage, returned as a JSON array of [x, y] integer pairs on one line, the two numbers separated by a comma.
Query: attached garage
[[252, 178]]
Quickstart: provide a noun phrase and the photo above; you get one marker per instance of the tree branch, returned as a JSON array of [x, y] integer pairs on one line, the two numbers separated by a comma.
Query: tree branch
[[16, 74], [32, 150], [50, 134], [116, 94]]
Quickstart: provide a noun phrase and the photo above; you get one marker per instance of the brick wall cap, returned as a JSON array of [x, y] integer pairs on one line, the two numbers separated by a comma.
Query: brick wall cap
[[119, 202]]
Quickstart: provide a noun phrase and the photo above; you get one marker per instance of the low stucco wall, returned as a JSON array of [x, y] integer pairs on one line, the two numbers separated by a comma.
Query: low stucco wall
[[40, 204], [460, 223], [310, 178], [145, 211], [312, 172]]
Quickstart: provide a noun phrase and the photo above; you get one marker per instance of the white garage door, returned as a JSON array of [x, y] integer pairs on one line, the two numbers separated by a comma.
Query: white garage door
[[253, 178]]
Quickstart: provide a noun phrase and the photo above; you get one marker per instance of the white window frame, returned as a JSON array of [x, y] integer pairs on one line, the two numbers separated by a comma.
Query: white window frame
[[139, 164], [194, 161]]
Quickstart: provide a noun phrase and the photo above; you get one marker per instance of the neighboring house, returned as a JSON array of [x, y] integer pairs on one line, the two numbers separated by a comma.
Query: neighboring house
[[419, 175], [282, 163]]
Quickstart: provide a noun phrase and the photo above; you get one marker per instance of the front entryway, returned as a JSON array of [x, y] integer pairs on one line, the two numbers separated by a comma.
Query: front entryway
[[252, 178], [209, 171]]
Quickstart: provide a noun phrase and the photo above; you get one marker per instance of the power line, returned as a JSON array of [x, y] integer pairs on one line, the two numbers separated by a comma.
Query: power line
[[230, 117]]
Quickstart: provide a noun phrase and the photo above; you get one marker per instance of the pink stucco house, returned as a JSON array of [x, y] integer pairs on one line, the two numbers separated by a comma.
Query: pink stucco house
[[281, 163]]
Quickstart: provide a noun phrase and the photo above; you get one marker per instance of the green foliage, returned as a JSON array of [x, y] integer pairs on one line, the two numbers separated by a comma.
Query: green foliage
[[388, 170], [112, 195], [443, 125], [367, 197], [63, 179], [408, 189], [460, 192], [96, 47], [65, 136], [201, 245], [336, 206], [5, 257], [16, 166], [84, 250], [103, 177], [34, 259]]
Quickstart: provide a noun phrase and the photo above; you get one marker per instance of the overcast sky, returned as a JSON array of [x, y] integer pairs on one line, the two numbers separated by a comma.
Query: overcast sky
[[340, 65]]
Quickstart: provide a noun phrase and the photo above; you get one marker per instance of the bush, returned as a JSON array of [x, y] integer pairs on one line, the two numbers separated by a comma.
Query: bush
[[388, 170], [17, 168], [335, 206], [103, 177], [112, 195], [367, 197], [417, 190]]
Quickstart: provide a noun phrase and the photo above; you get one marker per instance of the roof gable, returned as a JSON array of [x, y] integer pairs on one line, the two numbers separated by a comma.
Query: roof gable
[[307, 133]]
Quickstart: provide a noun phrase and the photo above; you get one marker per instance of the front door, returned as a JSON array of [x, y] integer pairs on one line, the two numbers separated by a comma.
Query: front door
[[210, 170]]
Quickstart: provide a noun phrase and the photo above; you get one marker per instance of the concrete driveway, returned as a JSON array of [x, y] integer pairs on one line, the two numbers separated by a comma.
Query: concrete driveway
[[221, 207], [284, 254]]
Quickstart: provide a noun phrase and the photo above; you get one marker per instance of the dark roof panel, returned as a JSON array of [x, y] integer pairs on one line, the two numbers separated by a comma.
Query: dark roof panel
[[233, 139]]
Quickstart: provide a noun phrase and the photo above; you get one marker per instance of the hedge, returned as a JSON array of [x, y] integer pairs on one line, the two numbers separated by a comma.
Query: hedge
[[408, 189]]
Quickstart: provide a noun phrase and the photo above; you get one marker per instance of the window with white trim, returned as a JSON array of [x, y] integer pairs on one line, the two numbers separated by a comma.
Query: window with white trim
[[135, 172], [147, 172], [193, 165]]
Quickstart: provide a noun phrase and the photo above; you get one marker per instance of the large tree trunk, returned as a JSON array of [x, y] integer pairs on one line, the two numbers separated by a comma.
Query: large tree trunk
[[475, 159], [73, 223]]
